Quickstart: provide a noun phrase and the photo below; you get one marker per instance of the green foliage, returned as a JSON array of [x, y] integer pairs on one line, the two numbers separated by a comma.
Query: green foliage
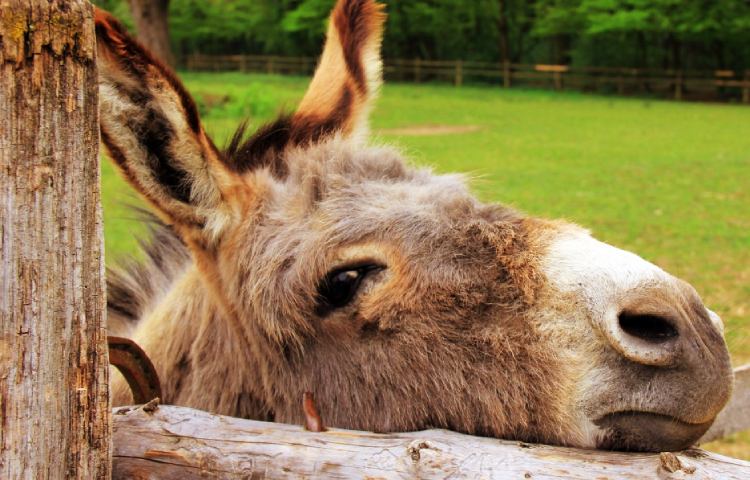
[[720, 18], [555, 17], [310, 16], [214, 26], [689, 34], [442, 29]]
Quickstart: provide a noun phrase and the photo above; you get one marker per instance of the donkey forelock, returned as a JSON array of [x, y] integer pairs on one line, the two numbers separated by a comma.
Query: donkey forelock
[[304, 259]]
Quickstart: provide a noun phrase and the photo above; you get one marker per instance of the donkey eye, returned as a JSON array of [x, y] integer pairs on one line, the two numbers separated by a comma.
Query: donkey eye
[[340, 286]]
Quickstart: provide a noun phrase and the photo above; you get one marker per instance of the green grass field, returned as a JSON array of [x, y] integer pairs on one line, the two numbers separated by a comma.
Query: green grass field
[[669, 181]]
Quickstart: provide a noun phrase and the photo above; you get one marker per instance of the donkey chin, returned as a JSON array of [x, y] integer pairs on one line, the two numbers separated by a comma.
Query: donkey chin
[[656, 370]]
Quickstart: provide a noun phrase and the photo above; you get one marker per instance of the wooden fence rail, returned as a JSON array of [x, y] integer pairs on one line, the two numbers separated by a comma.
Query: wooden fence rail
[[182, 443], [727, 85], [185, 444]]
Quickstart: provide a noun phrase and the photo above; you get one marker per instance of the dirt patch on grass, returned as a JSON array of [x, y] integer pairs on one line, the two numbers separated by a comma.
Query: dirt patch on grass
[[431, 130]]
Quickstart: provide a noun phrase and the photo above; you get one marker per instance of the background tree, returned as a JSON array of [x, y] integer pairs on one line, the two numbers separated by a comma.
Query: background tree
[[152, 24]]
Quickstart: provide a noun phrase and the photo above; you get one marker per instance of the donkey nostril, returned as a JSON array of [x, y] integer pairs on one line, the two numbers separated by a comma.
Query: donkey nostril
[[651, 328]]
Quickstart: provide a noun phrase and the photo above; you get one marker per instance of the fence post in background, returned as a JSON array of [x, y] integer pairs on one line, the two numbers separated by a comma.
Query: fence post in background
[[639, 81], [678, 85], [418, 70], [269, 65], [557, 76], [746, 88], [243, 63], [54, 397], [506, 74], [555, 72], [620, 83], [459, 73]]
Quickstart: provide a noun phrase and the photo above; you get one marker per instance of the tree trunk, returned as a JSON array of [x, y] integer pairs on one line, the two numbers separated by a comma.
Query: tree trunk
[[182, 444], [526, 25], [503, 32], [642, 50], [676, 53], [152, 22], [54, 407], [561, 48]]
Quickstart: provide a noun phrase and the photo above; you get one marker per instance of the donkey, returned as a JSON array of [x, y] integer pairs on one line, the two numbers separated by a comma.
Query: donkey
[[303, 258]]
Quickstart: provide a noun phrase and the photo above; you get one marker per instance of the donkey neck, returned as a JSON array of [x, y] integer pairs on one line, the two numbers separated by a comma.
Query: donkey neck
[[197, 352]]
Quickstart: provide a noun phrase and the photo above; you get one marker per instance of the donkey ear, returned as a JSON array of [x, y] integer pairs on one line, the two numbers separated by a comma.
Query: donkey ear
[[151, 128], [350, 71], [338, 99]]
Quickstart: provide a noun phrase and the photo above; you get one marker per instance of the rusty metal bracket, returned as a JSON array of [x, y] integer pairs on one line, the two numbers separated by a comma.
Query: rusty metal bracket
[[135, 366]]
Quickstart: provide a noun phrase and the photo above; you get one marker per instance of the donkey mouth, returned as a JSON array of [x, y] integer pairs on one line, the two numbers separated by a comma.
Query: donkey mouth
[[648, 432]]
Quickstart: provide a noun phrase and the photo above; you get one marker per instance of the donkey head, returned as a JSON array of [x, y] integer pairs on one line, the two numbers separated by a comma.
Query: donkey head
[[395, 295]]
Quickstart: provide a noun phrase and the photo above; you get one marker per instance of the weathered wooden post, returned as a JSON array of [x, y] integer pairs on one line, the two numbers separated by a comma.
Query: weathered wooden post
[[54, 408]]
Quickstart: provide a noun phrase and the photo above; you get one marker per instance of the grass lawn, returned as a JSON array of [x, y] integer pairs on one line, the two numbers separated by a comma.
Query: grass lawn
[[669, 181]]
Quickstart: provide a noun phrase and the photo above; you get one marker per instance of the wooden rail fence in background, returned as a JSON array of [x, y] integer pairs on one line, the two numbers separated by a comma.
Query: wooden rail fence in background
[[723, 85]]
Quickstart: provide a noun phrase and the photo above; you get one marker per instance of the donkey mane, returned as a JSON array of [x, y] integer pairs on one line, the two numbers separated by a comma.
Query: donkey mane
[[135, 285]]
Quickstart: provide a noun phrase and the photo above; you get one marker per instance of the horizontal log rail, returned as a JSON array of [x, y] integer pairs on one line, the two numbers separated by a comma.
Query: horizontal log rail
[[181, 443], [678, 84], [170, 442]]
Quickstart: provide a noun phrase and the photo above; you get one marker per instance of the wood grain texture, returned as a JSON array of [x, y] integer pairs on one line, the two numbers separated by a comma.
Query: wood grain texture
[[181, 443], [54, 410]]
